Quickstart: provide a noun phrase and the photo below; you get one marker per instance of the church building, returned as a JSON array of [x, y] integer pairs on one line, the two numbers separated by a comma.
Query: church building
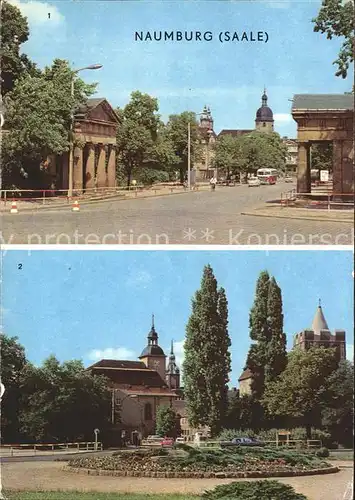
[[203, 170], [140, 387]]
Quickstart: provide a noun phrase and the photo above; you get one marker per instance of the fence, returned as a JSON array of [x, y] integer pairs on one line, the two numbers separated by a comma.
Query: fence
[[49, 196], [49, 448], [329, 200], [291, 443]]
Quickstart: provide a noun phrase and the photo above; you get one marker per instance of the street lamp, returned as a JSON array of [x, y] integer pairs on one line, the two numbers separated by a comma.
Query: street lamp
[[71, 149]]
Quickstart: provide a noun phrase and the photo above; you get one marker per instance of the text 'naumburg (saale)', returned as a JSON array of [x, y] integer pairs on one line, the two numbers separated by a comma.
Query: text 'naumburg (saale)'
[[201, 36]]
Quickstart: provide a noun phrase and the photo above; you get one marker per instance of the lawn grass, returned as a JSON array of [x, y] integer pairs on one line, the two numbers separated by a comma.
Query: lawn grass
[[79, 495]]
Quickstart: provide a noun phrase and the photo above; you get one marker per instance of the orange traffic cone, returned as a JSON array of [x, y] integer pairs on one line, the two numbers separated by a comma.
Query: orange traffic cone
[[76, 207], [13, 208]]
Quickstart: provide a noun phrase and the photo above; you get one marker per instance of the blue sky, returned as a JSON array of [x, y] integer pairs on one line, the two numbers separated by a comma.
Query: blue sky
[[93, 304], [228, 77]]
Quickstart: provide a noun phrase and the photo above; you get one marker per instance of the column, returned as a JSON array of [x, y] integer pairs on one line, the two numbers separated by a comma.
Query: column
[[78, 169], [303, 168], [347, 165], [337, 168], [101, 170], [90, 167], [111, 168]]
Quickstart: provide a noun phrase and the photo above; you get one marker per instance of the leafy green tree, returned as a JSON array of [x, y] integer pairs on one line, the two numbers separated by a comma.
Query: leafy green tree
[[299, 390], [137, 135], [14, 32], [207, 358], [240, 412], [259, 334], [167, 423], [177, 130], [63, 402], [322, 156], [38, 114], [13, 361], [276, 354], [259, 150], [338, 405], [227, 152], [336, 19], [267, 356]]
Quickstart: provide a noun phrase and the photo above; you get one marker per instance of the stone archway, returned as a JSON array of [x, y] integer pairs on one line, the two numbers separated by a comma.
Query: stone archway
[[325, 118]]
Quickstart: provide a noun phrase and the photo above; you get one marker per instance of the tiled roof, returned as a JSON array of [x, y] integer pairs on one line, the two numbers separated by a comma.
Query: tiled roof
[[131, 377], [118, 363], [323, 101], [245, 375], [91, 103], [234, 132]]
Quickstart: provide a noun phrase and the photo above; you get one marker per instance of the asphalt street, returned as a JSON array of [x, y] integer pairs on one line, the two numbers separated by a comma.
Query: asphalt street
[[199, 218]]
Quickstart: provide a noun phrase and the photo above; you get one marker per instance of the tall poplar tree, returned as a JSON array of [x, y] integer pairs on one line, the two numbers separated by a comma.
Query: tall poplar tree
[[276, 354], [267, 356], [259, 333], [207, 359]]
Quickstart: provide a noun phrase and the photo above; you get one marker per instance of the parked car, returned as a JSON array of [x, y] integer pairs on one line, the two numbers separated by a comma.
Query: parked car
[[288, 178], [180, 440], [242, 441], [167, 441], [253, 182]]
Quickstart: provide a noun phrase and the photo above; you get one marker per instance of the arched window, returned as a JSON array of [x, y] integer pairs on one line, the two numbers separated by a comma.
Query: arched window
[[147, 411]]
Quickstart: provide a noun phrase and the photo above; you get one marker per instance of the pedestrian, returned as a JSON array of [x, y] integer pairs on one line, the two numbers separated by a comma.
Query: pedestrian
[[213, 182]]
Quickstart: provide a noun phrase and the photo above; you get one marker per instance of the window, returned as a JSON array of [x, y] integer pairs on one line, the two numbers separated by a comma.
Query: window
[[147, 411]]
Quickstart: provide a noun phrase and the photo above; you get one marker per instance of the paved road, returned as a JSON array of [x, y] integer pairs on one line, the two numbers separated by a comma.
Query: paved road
[[200, 217], [50, 476]]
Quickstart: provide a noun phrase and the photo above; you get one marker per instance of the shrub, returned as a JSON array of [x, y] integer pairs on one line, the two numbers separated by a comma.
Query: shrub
[[322, 452], [256, 490]]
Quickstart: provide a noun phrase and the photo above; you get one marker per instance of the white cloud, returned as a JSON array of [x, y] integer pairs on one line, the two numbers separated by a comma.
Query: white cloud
[[350, 352], [112, 353], [39, 12], [282, 117]]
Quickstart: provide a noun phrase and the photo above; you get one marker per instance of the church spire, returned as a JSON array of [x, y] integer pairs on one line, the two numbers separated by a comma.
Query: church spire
[[264, 98], [319, 322], [152, 335]]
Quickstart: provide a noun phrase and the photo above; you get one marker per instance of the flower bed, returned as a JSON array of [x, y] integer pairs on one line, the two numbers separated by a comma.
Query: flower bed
[[192, 462]]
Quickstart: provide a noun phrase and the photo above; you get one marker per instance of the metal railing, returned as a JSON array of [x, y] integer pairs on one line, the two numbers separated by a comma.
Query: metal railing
[[49, 448], [329, 200], [50, 196]]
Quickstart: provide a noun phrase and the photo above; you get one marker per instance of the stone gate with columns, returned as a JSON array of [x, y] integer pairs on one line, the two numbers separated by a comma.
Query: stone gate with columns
[[94, 155], [325, 118]]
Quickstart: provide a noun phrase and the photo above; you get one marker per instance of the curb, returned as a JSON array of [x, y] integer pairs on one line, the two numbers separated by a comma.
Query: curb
[[200, 475], [297, 217], [91, 202]]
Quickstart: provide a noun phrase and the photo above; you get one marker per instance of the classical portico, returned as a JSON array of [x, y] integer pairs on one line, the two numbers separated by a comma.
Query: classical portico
[[94, 156], [325, 118]]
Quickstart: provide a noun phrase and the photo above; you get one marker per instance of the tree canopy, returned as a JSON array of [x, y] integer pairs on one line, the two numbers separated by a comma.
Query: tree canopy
[[167, 422], [336, 19], [62, 402], [14, 32], [38, 114], [300, 389], [207, 358]]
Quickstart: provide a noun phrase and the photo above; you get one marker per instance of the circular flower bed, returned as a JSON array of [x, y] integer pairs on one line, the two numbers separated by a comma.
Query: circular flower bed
[[263, 462]]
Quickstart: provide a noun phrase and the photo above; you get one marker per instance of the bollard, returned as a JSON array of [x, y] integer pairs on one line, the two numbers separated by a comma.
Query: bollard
[[44, 197]]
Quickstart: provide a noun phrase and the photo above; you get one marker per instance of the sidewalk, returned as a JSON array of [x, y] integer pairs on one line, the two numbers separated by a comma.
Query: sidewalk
[[54, 203], [277, 211]]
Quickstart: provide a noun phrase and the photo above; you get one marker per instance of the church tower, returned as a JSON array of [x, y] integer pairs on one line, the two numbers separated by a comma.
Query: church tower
[[153, 355], [206, 120], [264, 121], [172, 372]]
